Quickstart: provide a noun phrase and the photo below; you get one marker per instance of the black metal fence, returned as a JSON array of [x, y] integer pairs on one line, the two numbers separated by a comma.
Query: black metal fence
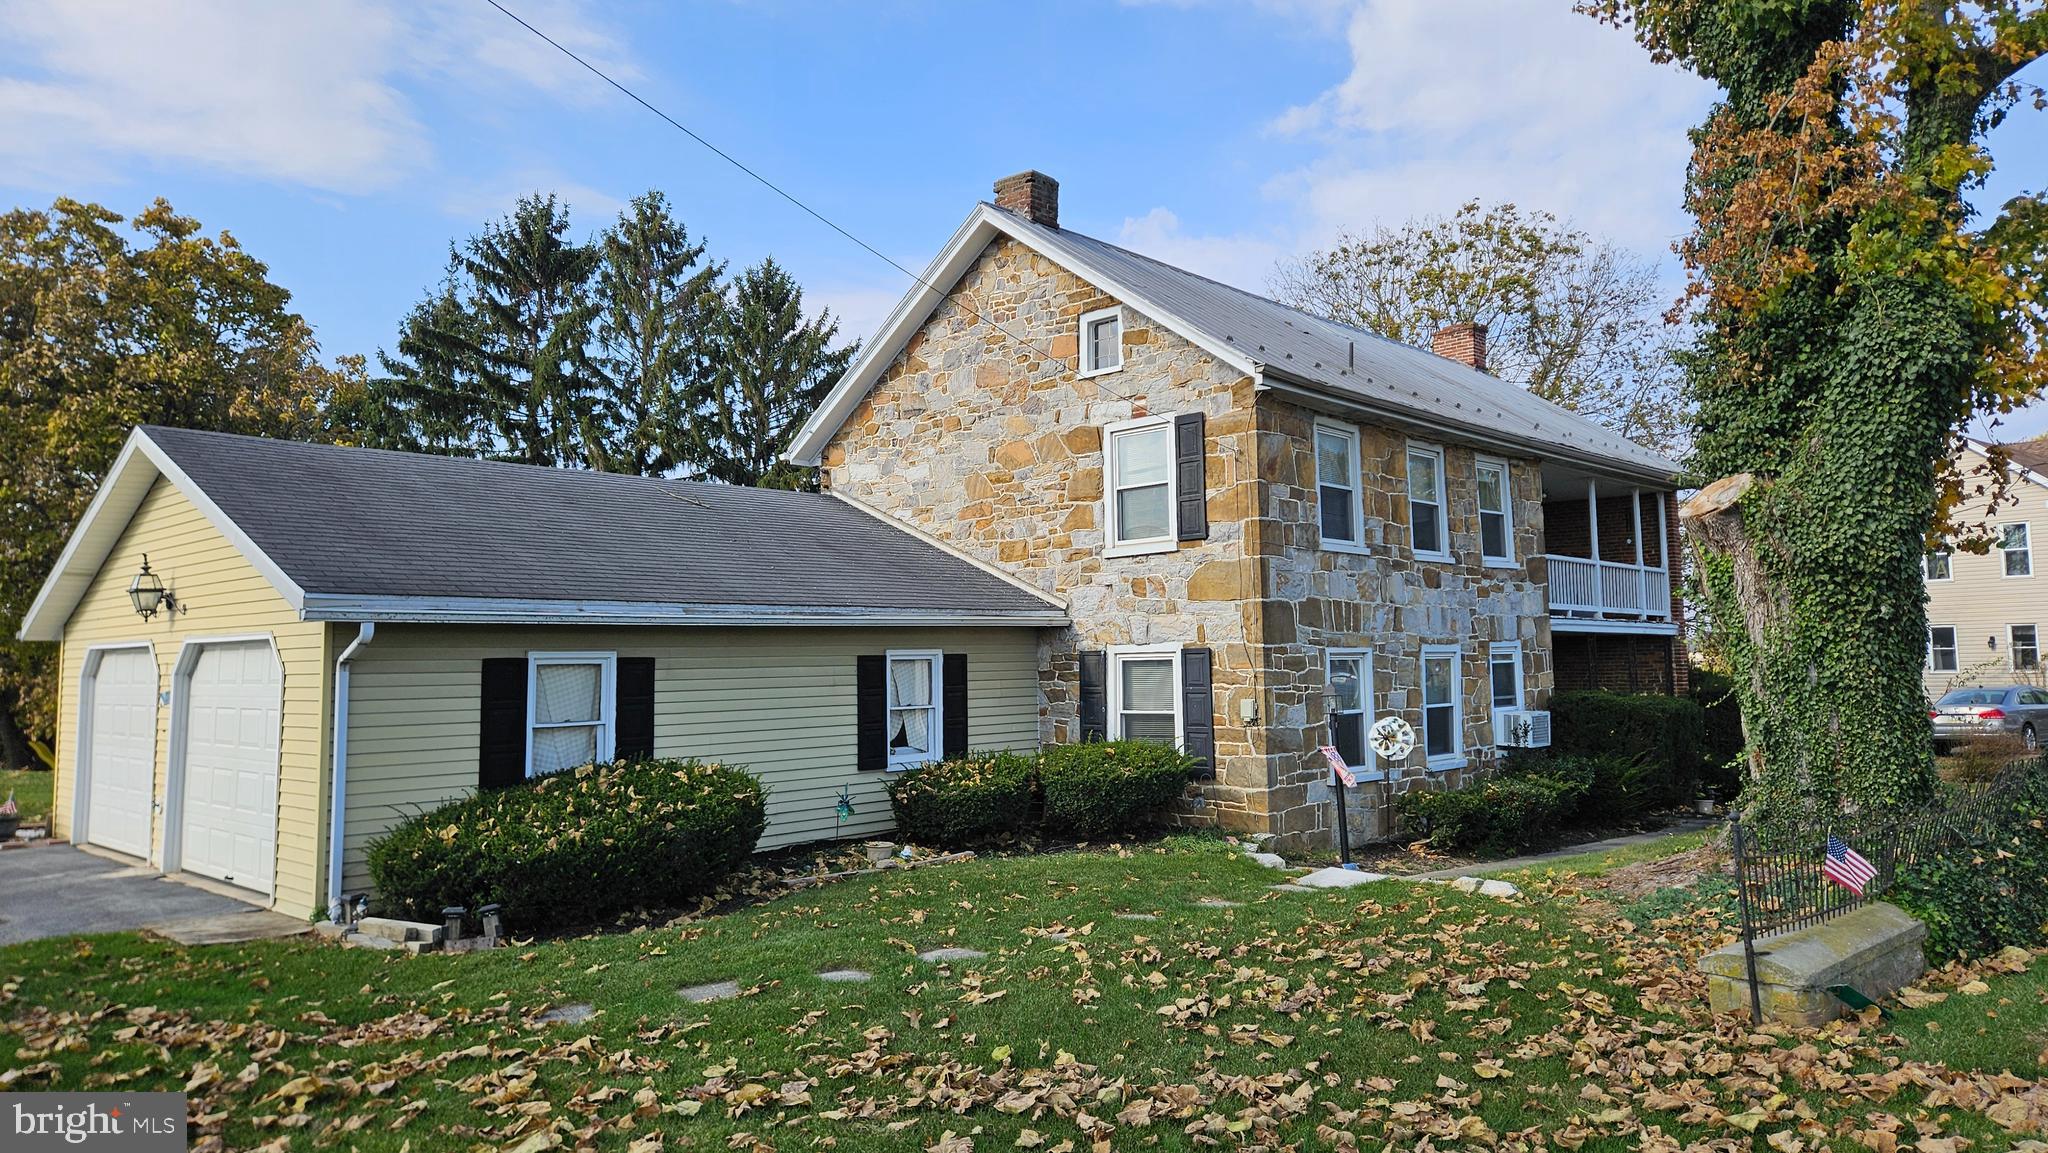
[[1779, 883]]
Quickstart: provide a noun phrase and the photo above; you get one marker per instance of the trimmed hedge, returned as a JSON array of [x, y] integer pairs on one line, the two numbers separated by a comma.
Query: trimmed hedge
[[1497, 817], [967, 801], [1665, 737], [572, 847], [1093, 790]]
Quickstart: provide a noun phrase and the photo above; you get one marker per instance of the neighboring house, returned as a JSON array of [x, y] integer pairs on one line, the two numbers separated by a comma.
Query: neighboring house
[[474, 622], [1072, 493], [1986, 611], [1270, 529]]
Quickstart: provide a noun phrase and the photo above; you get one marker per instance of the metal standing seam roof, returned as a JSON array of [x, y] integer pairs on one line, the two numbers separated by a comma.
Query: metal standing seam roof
[[364, 523]]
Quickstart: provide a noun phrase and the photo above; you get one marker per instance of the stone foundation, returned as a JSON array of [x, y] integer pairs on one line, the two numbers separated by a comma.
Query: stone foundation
[[1876, 950]]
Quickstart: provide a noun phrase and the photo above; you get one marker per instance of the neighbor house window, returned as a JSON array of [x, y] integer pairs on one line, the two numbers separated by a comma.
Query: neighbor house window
[[1938, 566], [1337, 497], [915, 725], [1427, 533], [1941, 648], [2025, 647], [1102, 341], [2017, 544], [1496, 522], [1350, 706], [569, 706], [1144, 686], [1140, 485], [1441, 714]]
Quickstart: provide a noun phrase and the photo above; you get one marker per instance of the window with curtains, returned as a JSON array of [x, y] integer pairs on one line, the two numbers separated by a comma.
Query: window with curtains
[[1140, 486], [916, 728], [1428, 535], [1441, 719], [1496, 521], [2016, 543], [1349, 702], [1941, 648], [1337, 495], [2024, 646], [1144, 685], [570, 710]]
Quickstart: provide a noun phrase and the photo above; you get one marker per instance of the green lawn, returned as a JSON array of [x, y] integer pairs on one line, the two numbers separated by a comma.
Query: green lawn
[[31, 789], [1384, 1015]]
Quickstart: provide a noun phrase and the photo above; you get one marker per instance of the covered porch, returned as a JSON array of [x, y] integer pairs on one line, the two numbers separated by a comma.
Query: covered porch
[[1608, 545]]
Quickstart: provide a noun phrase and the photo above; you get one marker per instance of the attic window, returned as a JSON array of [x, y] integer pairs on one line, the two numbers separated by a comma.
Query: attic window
[[1102, 341]]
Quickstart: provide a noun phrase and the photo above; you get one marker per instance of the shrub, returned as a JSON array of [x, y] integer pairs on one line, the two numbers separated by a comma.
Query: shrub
[[1662, 737], [1985, 892], [572, 847], [1103, 787], [1497, 817], [1982, 758], [964, 801], [1723, 746]]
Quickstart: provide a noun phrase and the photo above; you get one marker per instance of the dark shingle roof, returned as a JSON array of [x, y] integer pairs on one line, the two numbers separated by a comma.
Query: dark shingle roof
[[2029, 454], [365, 523]]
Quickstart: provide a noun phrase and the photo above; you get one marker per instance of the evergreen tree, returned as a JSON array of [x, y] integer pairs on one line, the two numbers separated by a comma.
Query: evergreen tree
[[656, 298], [770, 368], [428, 399]]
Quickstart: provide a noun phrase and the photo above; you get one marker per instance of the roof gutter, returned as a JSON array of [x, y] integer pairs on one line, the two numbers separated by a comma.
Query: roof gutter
[[337, 795], [498, 610]]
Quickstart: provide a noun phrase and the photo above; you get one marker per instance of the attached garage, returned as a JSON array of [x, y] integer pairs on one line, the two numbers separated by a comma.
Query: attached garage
[[117, 748]]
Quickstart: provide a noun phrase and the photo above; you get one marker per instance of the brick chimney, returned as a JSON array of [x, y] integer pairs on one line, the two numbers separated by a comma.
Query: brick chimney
[[1032, 195], [1464, 343]]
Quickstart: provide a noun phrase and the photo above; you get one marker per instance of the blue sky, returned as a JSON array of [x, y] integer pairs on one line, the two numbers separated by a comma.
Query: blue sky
[[347, 144]]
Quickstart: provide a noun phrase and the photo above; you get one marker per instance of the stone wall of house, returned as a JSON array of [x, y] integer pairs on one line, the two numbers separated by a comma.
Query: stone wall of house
[[987, 439], [1386, 601]]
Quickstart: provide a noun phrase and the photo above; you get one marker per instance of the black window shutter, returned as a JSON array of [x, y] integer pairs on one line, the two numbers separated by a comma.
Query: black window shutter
[[953, 703], [635, 709], [1190, 446], [1198, 710], [871, 713], [501, 726], [1094, 702]]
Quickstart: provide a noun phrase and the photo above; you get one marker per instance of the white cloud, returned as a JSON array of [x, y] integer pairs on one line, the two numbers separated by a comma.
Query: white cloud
[[1239, 259], [308, 93]]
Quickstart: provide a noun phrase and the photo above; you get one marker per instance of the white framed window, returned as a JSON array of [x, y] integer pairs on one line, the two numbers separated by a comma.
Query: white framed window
[[1942, 655], [916, 707], [1348, 703], [1102, 341], [1144, 693], [2017, 545], [1139, 486], [2023, 646], [1496, 512], [1443, 710], [1428, 533], [1940, 566], [1340, 511], [571, 703], [1504, 674]]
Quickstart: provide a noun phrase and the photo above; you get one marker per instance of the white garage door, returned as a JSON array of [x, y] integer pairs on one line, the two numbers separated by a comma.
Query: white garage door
[[230, 791], [120, 751]]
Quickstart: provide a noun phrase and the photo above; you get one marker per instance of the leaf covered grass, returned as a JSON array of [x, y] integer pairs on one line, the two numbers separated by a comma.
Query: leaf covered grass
[[1389, 1013]]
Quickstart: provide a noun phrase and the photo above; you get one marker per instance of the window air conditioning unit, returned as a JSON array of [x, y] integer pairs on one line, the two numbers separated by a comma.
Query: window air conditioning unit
[[1521, 729]]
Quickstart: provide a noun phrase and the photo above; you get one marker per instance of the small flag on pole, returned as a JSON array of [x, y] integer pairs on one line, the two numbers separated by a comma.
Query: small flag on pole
[[1847, 867], [1338, 766]]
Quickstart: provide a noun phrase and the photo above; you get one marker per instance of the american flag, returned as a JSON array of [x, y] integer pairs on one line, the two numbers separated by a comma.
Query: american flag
[[1847, 867]]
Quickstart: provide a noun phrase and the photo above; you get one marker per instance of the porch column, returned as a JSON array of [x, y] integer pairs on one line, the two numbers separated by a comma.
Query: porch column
[[1664, 548], [1642, 578], [1593, 534]]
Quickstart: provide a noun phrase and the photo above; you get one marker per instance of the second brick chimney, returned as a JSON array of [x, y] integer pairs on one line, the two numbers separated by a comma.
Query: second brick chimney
[[1464, 343], [1032, 195]]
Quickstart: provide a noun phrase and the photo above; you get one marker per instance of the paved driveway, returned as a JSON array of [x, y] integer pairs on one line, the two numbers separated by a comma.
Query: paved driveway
[[57, 890]]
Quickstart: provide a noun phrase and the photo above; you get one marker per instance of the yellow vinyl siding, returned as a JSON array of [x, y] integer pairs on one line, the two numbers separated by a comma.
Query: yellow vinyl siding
[[778, 701], [219, 593], [1981, 602]]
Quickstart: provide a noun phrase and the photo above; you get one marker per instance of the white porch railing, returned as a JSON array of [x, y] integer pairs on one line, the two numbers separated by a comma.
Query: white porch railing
[[1604, 588]]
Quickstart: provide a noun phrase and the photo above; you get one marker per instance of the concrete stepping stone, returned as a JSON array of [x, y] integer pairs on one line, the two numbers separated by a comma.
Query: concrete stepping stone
[[1335, 878], [1219, 903], [1137, 916], [845, 976], [567, 1014], [1270, 860], [715, 991], [950, 953], [1290, 887]]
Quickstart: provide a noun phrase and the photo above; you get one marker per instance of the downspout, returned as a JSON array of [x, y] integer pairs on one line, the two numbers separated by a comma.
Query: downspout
[[337, 808]]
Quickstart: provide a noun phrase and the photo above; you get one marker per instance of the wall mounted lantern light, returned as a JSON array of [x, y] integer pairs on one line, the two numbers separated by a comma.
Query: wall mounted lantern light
[[148, 594]]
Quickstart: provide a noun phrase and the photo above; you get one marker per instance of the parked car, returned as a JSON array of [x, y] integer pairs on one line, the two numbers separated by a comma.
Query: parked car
[[1963, 715]]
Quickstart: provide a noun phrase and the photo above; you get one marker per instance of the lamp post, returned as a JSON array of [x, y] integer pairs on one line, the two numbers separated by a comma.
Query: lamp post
[[1339, 772]]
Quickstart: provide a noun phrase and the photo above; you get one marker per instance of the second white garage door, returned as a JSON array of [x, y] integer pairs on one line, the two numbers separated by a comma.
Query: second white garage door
[[230, 765]]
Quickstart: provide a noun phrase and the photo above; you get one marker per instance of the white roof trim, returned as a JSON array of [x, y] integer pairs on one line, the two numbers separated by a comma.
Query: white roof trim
[[135, 470], [950, 550], [496, 610], [982, 225], [1588, 625]]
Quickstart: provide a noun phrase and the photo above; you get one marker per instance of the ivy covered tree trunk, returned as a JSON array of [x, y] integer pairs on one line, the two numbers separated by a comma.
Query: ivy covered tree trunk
[[1852, 317]]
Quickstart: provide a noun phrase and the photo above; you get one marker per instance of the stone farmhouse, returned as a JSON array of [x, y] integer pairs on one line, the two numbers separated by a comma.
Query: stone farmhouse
[[1269, 530]]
